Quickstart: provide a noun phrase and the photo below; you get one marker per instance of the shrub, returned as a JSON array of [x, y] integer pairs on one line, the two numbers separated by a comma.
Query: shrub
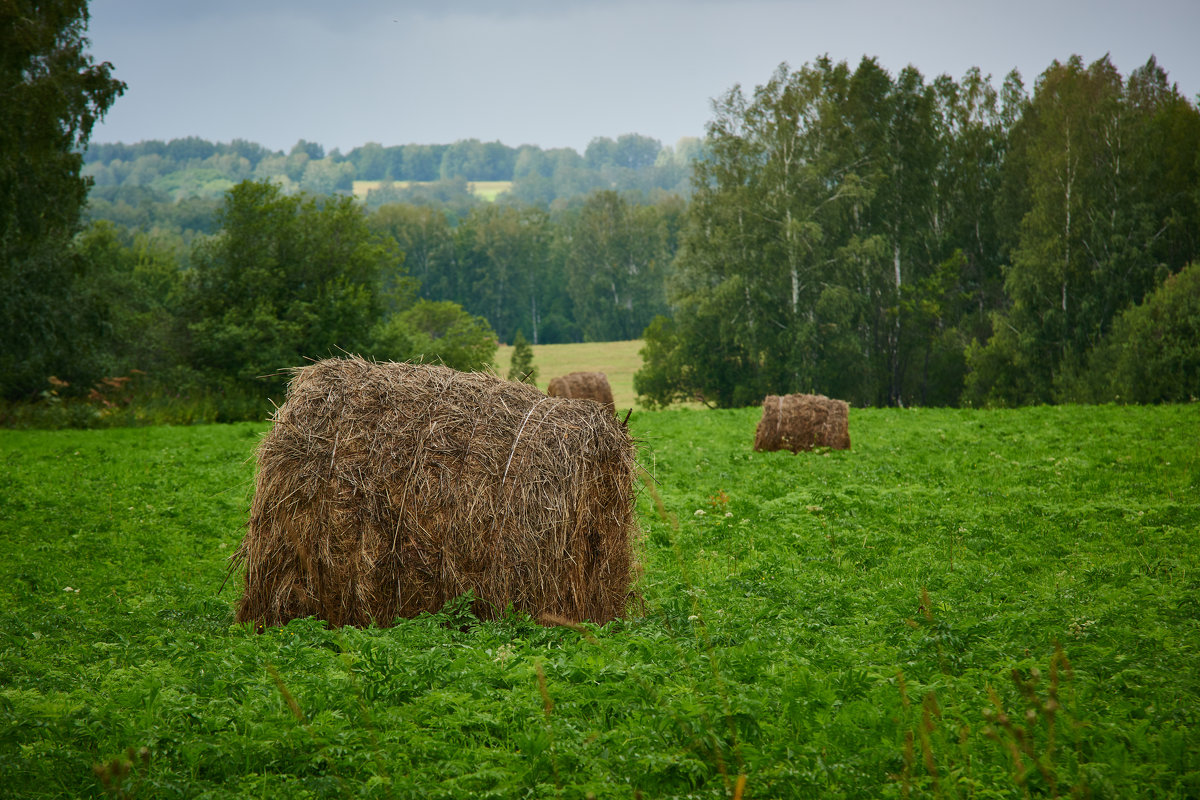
[[436, 332], [1152, 354], [522, 368]]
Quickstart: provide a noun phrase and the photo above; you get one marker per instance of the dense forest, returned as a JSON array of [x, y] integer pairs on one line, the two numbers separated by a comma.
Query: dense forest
[[892, 240], [886, 239]]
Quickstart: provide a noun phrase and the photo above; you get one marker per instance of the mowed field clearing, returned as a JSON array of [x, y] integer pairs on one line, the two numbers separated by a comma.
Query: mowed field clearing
[[484, 190], [617, 360]]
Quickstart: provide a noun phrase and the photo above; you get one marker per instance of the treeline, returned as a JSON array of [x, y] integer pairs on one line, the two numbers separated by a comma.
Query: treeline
[[883, 239], [891, 240], [287, 277], [194, 167], [596, 272]]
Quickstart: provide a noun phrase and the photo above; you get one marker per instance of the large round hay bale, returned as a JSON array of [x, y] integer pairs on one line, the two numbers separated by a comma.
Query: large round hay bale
[[583, 386], [385, 490], [801, 422]]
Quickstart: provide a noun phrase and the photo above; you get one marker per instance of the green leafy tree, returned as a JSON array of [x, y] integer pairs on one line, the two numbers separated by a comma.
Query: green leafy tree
[[617, 262], [502, 255], [288, 278], [975, 121], [51, 95], [1096, 228], [474, 160], [191, 148], [420, 162], [326, 176], [371, 162], [135, 278], [521, 367], [436, 332], [822, 250], [1152, 354], [768, 204], [426, 238], [452, 197], [664, 377]]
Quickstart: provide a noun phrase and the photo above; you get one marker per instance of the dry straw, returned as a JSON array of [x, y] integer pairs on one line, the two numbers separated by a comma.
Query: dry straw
[[801, 422], [385, 490], [583, 386]]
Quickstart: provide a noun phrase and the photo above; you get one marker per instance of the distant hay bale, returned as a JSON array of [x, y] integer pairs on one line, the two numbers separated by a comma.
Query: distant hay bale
[[801, 422], [583, 386], [385, 490]]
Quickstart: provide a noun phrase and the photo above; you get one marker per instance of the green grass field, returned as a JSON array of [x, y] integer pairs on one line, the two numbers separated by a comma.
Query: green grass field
[[982, 604], [617, 360]]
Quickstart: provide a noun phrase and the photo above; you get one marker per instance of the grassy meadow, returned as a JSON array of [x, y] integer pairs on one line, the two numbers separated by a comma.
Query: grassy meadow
[[972, 604], [617, 360]]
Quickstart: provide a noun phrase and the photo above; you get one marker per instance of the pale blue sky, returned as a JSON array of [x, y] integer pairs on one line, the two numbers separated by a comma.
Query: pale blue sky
[[556, 73]]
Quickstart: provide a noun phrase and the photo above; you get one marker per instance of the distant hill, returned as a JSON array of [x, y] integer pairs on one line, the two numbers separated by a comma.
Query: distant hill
[[462, 172]]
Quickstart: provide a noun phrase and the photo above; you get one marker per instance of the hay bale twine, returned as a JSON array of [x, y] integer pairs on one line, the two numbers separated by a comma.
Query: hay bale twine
[[801, 422], [385, 490], [583, 386]]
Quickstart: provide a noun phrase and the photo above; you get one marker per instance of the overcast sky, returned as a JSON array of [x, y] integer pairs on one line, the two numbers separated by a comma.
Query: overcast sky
[[557, 73]]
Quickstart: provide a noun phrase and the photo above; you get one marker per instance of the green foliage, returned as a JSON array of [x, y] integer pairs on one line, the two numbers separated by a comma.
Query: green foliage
[[618, 256], [177, 396], [1152, 354], [659, 382], [1103, 218], [853, 233], [451, 196], [51, 95], [880, 238], [138, 283], [436, 333], [880, 622], [818, 254], [474, 160], [432, 175], [423, 234], [521, 367], [501, 268], [288, 278], [596, 272]]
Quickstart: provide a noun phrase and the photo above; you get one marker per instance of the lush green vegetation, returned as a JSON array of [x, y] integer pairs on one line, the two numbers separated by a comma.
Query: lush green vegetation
[[896, 241], [53, 93], [884, 239], [888, 240], [966, 604]]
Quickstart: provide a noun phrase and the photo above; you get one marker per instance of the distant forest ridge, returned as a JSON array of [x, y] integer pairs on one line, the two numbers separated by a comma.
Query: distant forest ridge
[[378, 174]]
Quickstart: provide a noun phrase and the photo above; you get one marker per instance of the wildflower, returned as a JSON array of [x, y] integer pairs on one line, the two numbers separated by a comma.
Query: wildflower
[[699, 512], [504, 652]]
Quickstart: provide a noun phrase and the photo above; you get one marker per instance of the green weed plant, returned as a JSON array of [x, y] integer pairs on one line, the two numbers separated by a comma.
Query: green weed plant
[[178, 397], [967, 604]]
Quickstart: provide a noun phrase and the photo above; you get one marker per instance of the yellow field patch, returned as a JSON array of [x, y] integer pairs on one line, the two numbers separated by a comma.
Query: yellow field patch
[[484, 190], [617, 360], [489, 190]]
